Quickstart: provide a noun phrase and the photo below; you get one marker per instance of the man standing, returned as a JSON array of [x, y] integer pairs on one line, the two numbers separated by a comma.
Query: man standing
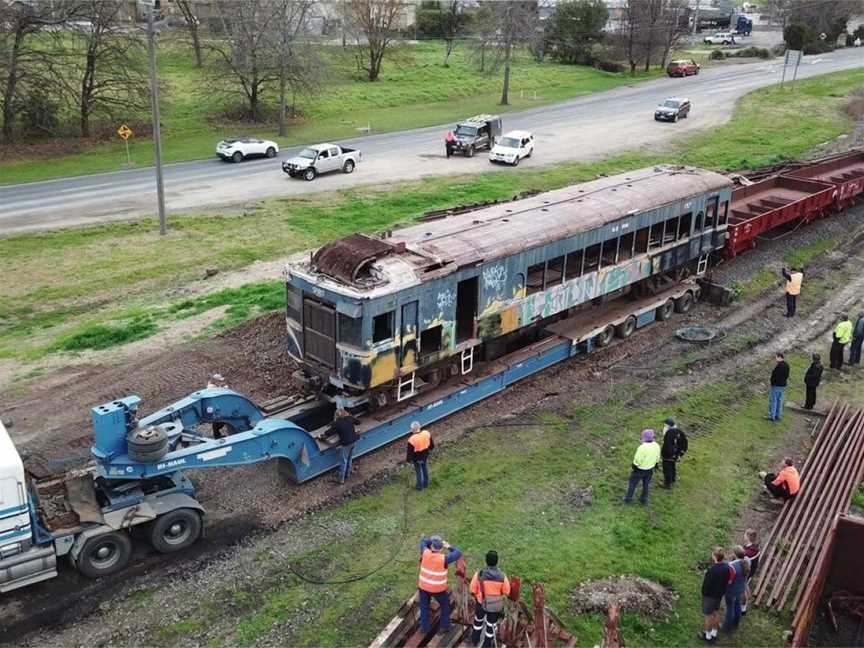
[[674, 447], [432, 581], [489, 586], [857, 341], [779, 378], [842, 337], [420, 444], [644, 462], [714, 584], [784, 484], [343, 425], [811, 381], [449, 143], [735, 590], [793, 277]]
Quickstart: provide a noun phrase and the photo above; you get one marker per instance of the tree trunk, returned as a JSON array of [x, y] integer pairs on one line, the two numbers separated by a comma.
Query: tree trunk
[[376, 55], [196, 45], [505, 90], [253, 102], [283, 100], [448, 50], [11, 86], [87, 93]]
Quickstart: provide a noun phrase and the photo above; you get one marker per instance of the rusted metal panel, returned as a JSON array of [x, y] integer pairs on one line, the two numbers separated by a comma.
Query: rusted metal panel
[[845, 172], [346, 258]]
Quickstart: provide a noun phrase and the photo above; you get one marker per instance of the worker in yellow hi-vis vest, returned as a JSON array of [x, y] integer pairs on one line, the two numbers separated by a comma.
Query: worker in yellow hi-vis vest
[[794, 277], [842, 337]]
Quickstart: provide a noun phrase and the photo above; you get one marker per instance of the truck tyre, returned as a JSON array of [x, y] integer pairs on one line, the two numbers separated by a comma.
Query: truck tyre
[[237, 157], [176, 530], [605, 337], [348, 167], [309, 174], [271, 152], [146, 444], [625, 329], [666, 310], [684, 302], [104, 555], [469, 152]]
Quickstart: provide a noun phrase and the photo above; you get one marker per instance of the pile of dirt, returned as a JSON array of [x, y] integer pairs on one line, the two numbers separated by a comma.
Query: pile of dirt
[[631, 593]]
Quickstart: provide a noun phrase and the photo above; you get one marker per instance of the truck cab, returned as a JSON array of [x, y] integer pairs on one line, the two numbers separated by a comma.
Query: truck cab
[[476, 133]]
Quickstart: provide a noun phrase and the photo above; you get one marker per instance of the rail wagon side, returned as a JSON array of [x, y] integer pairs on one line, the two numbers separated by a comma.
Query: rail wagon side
[[376, 319]]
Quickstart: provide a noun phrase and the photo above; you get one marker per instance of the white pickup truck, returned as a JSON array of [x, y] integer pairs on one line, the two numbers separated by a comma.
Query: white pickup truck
[[321, 158]]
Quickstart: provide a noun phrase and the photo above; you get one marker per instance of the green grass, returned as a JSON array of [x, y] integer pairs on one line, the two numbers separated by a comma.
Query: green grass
[[116, 274], [413, 75]]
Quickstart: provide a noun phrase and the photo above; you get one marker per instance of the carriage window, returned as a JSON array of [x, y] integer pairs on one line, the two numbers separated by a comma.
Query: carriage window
[[573, 268], [625, 247], [724, 213], [641, 246], [350, 330], [684, 225], [295, 302], [610, 253], [554, 271], [535, 278], [656, 239], [430, 340], [698, 227], [671, 231], [382, 327], [711, 213], [592, 259]]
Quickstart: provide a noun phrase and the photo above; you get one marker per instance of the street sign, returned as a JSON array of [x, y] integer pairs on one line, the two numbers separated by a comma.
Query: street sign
[[124, 132], [793, 57]]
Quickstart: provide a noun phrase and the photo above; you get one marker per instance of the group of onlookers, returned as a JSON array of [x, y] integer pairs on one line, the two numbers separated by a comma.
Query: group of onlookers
[[729, 582]]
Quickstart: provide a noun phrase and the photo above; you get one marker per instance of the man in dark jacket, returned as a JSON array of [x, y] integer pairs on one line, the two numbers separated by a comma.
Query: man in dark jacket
[[857, 341], [779, 378], [674, 447], [811, 381], [343, 426], [714, 584]]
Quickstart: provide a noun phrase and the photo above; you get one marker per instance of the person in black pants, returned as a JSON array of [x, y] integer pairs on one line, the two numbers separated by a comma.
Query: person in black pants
[[674, 447], [857, 341], [811, 381], [343, 426]]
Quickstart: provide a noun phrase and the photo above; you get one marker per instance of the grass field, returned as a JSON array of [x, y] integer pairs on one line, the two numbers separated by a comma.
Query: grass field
[[61, 288], [413, 75]]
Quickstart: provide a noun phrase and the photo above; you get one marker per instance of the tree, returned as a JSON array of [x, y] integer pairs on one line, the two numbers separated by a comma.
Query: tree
[[102, 68], [187, 10], [674, 26], [445, 20], [576, 26], [796, 35], [829, 18], [374, 24]]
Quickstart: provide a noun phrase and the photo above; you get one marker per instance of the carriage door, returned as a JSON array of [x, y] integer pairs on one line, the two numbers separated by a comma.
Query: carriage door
[[408, 336], [319, 332], [466, 309]]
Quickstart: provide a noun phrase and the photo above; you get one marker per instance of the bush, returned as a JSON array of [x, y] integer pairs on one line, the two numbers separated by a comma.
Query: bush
[[39, 113], [754, 52], [796, 35], [608, 66], [716, 55], [818, 47]]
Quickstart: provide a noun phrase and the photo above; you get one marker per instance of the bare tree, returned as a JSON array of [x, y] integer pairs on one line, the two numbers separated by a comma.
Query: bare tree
[[484, 36], [102, 67], [451, 18], [674, 26], [187, 10], [374, 24], [244, 57]]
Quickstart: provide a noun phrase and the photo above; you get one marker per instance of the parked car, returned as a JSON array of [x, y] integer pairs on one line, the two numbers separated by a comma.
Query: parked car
[[477, 133], [720, 38], [240, 148], [682, 68], [321, 158], [673, 109], [512, 147]]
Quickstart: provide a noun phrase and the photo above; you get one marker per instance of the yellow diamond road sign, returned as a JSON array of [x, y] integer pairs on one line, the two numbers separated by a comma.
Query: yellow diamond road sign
[[125, 132]]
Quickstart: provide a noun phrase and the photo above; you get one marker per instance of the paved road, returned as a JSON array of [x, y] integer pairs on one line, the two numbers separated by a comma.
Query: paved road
[[580, 129]]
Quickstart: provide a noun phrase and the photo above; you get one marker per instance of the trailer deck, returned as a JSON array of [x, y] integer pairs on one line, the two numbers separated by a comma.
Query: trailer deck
[[845, 172]]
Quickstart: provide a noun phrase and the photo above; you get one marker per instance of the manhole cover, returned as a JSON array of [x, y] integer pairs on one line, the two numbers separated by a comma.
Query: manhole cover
[[697, 334]]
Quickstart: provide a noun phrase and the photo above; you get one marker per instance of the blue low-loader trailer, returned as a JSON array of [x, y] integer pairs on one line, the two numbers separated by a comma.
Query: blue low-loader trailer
[[136, 477]]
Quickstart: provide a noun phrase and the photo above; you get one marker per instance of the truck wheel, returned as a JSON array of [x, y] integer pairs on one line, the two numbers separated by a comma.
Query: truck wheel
[[469, 152], [105, 554], [605, 338], [146, 444], [348, 167], [175, 530], [309, 174], [625, 329], [237, 157], [271, 152], [684, 302], [666, 310]]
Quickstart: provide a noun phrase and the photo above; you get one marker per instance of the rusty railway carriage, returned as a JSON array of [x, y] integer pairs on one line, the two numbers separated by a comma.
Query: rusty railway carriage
[[375, 320]]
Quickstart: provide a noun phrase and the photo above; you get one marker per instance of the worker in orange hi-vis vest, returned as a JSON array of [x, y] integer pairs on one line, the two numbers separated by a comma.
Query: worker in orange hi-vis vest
[[794, 277], [435, 556], [420, 444], [490, 587]]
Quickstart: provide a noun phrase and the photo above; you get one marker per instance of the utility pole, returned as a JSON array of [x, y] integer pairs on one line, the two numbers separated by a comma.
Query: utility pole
[[696, 18], [154, 108]]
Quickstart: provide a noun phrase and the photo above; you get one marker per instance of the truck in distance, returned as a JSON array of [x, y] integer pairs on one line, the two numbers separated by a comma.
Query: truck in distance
[[321, 158]]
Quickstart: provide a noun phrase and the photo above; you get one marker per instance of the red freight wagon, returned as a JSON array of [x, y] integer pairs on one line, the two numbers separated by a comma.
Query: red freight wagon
[[770, 203], [845, 172]]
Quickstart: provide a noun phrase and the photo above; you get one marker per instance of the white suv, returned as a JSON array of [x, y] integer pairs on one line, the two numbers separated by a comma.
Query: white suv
[[241, 148], [720, 38], [512, 147]]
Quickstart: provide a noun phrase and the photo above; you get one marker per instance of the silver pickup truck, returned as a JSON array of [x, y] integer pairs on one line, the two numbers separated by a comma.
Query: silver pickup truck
[[321, 158]]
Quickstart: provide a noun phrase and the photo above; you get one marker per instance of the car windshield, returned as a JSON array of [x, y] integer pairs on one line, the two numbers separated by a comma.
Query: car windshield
[[509, 142], [308, 153], [670, 103], [678, 63], [466, 131]]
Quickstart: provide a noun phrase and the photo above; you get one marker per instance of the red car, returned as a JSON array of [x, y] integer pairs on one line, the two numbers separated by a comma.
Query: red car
[[683, 68]]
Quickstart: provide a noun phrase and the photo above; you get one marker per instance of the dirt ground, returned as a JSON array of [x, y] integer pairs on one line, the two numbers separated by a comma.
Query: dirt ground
[[250, 510]]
